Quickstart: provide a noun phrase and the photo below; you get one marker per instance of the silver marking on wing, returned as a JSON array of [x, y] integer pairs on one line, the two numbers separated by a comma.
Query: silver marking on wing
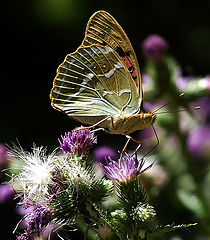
[[124, 91], [117, 65], [76, 65], [83, 84], [106, 92]]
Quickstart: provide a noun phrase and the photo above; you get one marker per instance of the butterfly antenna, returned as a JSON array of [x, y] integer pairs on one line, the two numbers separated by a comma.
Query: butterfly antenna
[[154, 145], [181, 110], [171, 101]]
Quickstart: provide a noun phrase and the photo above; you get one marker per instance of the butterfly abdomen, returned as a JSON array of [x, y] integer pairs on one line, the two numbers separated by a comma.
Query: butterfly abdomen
[[125, 125]]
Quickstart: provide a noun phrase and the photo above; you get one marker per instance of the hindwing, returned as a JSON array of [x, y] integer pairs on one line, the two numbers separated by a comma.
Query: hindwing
[[93, 83]]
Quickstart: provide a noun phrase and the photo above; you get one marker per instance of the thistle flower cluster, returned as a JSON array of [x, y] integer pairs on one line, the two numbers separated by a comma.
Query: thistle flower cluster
[[61, 187]]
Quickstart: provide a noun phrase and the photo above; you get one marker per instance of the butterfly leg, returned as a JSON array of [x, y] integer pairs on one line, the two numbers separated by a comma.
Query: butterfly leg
[[139, 142], [134, 140], [112, 121], [157, 143], [139, 145], [122, 152], [96, 130], [95, 125]]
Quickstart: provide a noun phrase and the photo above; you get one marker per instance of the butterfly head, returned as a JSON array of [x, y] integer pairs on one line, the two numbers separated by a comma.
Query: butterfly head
[[147, 119]]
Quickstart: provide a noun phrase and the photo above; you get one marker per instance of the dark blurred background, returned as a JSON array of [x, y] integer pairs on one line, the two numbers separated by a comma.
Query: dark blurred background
[[36, 36]]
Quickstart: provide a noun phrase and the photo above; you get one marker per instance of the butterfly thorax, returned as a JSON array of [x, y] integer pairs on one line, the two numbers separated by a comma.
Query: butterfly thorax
[[128, 124]]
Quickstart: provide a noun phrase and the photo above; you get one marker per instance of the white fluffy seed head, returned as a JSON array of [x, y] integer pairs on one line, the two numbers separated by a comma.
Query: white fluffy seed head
[[35, 172]]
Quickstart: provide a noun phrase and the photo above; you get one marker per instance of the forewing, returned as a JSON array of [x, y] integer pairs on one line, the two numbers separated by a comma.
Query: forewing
[[93, 83], [103, 29]]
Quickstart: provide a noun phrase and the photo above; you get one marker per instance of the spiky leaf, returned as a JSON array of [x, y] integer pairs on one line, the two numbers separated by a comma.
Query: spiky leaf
[[130, 194], [166, 229], [99, 190]]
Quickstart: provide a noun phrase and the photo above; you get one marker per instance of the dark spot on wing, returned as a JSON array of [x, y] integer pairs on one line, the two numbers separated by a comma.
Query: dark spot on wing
[[103, 43], [131, 68], [128, 53], [120, 51]]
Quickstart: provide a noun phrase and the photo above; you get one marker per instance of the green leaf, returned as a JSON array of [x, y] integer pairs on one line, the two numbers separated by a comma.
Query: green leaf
[[162, 75], [166, 229], [196, 88], [191, 202]]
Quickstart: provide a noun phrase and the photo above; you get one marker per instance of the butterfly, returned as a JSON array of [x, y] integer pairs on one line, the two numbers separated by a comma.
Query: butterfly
[[100, 83]]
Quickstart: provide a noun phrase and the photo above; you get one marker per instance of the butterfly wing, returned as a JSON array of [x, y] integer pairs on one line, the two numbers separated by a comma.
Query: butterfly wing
[[93, 83], [104, 30]]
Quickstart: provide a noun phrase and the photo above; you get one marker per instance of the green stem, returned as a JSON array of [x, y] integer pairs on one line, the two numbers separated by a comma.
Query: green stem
[[142, 235], [135, 231], [193, 172]]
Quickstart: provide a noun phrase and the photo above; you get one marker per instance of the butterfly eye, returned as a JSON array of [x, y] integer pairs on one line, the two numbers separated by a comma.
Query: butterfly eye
[[147, 118]]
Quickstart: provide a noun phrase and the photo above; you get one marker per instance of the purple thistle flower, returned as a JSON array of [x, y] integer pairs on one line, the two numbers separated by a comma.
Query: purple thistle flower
[[198, 141], [6, 193], [21, 238], [147, 134], [182, 81], [101, 153], [23, 210], [49, 231], [4, 157], [128, 168], [204, 104], [37, 219], [65, 142], [154, 47], [146, 79], [205, 82], [26, 236], [78, 141]]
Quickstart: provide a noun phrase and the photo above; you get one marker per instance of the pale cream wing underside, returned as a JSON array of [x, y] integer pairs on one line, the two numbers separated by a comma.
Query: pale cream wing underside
[[93, 83]]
